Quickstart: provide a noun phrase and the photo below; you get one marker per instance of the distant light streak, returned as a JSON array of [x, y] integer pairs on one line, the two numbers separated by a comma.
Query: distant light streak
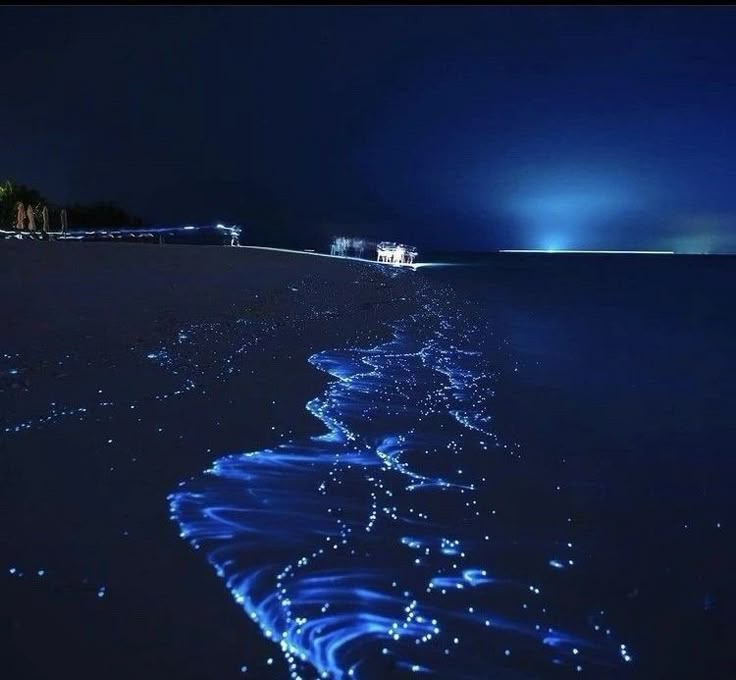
[[306, 251], [116, 233], [594, 252]]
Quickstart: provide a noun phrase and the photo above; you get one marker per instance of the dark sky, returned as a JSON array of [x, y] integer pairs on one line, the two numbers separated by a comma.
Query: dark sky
[[468, 127]]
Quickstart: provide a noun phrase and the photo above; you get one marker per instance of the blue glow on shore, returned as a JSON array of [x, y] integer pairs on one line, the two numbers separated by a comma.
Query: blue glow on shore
[[377, 542], [373, 547]]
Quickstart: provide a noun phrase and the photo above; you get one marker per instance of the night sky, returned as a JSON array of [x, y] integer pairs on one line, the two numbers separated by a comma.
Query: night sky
[[468, 127]]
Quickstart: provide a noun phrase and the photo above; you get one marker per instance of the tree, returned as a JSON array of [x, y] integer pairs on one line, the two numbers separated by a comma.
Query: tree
[[95, 215], [10, 193]]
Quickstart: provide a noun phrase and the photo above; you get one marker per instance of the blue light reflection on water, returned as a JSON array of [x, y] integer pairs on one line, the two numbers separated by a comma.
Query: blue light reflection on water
[[372, 547]]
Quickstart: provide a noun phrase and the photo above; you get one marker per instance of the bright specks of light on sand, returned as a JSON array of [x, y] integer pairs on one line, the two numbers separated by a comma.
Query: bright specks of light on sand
[[378, 546], [201, 355], [42, 575]]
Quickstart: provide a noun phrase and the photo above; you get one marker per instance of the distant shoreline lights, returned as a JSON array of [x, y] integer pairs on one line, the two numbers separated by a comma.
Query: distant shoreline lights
[[591, 252]]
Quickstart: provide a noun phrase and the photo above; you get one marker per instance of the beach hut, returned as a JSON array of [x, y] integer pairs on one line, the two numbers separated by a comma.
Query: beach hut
[[395, 253], [385, 251]]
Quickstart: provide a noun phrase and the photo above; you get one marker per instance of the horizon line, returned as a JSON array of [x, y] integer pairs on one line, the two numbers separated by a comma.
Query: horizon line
[[602, 252]]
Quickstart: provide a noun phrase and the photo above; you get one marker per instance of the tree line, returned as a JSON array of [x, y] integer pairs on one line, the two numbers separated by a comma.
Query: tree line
[[98, 214]]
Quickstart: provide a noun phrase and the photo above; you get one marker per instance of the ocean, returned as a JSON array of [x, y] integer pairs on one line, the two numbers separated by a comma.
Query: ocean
[[624, 398]]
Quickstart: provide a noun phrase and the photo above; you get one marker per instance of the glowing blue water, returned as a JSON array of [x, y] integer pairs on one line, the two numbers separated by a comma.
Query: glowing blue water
[[378, 546]]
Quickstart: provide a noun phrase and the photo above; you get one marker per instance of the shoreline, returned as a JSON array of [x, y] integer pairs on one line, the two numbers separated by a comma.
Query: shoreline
[[196, 356], [93, 515]]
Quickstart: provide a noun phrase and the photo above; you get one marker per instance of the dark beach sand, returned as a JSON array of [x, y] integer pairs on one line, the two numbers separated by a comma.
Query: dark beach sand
[[92, 513], [568, 423]]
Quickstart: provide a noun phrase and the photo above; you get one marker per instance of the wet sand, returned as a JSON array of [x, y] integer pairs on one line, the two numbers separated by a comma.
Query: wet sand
[[96, 581]]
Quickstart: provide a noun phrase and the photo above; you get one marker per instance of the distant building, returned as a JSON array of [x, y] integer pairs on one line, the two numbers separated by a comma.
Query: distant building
[[395, 253], [387, 251], [347, 247]]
